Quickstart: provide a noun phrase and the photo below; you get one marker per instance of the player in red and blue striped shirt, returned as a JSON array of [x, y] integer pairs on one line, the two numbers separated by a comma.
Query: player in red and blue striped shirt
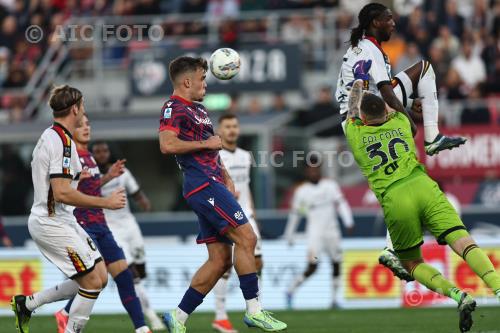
[[187, 132]]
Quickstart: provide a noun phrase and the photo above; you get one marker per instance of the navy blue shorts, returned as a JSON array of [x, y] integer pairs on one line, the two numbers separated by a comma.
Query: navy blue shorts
[[217, 211], [103, 238]]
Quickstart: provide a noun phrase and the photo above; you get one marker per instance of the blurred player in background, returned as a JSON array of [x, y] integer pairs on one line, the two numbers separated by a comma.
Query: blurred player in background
[[366, 60], [238, 163], [125, 228], [4, 237], [320, 200], [411, 200], [186, 131], [94, 223], [55, 168]]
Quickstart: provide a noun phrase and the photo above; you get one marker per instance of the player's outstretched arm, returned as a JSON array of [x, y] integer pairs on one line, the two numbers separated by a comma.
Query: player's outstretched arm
[[116, 170], [390, 98], [171, 144], [355, 97], [63, 192]]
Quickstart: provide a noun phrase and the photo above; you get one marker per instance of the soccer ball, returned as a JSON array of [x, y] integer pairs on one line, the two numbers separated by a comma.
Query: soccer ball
[[224, 63]]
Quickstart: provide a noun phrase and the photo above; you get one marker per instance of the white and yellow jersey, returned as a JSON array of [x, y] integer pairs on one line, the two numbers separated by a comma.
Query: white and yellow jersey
[[54, 156], [367, 60]]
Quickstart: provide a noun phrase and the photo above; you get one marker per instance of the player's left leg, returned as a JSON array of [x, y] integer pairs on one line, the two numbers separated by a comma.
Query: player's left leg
[[389, 259], [334, 249], [118, 268], [420, 78], [312, 266]]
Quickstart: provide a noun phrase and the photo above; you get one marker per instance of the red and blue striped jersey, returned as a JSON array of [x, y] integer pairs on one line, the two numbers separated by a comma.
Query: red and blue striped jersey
[[90, 186], [191, 123]]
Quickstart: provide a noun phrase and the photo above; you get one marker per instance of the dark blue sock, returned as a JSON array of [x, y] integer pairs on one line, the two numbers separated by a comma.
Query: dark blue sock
[[68, 305], [191, 300], [249, 284], [125, 283]]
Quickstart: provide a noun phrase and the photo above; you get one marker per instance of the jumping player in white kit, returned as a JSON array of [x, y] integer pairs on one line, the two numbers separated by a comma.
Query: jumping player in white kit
[[125, 228], [52, 225], [238, 163], [366, 60], [320, 200]]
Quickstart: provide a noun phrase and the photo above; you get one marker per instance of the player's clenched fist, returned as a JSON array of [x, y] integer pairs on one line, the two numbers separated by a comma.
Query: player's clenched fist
[[214, 143], [117, 199]]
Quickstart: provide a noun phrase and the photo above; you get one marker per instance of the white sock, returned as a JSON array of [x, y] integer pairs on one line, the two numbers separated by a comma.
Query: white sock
[[335, 288], [260, 287], [81, 309], [253, 306], [220, 293], [143, 329], [62, 291], [430, 107], [145, 304], [388, 241], [181, 316], [298, 281]]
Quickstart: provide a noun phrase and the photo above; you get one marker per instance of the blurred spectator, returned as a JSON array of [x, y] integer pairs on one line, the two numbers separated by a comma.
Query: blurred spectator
[[469, 66], [219, 9], [194, 6], [475, 111], [440, 63], [278, 104], [15, 182], [324, 102], [295, 29], [454, 88], [229, 33], [4, 64], [453, 20], [147, 7], [447, 42], [411, 56], [255, 106], [8, 32], [234, 105]]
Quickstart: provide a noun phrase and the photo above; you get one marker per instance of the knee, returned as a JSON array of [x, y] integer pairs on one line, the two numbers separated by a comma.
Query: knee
[[223, 264], [259, 264], [248, 239], [311, 268], [93, 281]]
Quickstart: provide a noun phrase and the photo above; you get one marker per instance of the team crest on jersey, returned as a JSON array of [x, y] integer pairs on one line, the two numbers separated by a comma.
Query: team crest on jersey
[[167, 113], [211, 201], [238, 215], [66, 162], [357, 50]]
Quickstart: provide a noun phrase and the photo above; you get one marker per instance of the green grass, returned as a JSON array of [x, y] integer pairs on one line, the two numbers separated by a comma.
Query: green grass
[[435, 320]]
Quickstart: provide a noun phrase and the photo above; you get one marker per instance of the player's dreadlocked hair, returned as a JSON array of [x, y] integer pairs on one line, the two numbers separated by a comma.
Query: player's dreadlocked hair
[[365, 17]]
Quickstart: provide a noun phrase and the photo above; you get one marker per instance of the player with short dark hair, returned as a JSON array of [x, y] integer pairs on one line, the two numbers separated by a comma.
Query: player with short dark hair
[[125, 228], [366, 60], [321, 201], [186, 131], [383, 146], [92, 220]]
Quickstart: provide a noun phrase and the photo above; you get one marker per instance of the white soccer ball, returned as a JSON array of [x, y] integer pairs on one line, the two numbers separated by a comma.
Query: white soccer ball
[[224, 63]]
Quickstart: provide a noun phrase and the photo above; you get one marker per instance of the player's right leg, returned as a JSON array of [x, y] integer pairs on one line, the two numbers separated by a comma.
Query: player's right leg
[[218, 262], [389, 259], [420, 78], [66, 245]]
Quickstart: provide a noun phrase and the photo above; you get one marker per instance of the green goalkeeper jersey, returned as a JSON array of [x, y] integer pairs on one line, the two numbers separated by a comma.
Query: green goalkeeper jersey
[[385, 153]]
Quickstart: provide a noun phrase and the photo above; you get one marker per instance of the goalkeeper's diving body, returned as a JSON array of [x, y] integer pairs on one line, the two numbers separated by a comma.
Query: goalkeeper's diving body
[[381, 140]]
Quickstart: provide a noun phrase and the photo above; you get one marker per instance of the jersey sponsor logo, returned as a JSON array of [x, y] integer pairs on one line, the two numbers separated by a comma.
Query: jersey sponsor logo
[[239, 215], [66, 162], [167, 114], [204, 121], [211, 201]]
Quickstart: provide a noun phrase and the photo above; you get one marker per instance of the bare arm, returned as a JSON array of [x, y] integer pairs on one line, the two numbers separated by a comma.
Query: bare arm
[[114, 171], [355, 97], [63, 192], [390, 98], [227, 179], [142, 200], [171, 144]]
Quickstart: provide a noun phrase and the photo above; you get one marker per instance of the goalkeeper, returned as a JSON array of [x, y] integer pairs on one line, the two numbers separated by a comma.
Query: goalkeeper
[[383, 146]]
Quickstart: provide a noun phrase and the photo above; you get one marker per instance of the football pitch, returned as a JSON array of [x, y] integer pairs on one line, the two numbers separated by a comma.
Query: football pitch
[[438, 320]]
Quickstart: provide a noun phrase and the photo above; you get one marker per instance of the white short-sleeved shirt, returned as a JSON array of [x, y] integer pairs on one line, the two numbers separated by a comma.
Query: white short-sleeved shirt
[[238, 164], [54, 156], [128, 182], [380, 70], [316, 203]]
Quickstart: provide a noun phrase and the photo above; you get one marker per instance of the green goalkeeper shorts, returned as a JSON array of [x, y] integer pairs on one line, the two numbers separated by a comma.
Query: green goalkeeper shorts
[[414, 204]]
